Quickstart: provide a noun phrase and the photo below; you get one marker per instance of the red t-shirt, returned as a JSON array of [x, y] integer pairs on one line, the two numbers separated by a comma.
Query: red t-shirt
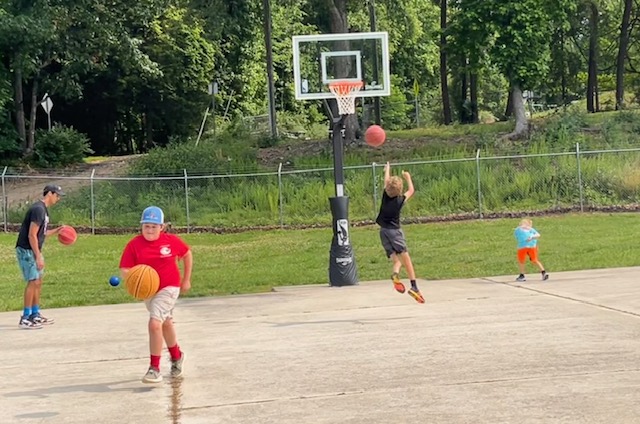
[[161, 255]]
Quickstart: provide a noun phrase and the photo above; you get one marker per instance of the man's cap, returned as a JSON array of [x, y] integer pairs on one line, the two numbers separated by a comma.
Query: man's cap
[[52, 188], [152, 215]]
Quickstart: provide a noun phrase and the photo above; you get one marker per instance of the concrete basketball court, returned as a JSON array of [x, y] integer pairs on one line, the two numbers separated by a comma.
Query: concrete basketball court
[[483, 350]]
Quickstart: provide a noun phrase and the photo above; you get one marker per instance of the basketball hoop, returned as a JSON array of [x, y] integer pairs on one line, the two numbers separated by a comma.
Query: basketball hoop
[[345, 92]]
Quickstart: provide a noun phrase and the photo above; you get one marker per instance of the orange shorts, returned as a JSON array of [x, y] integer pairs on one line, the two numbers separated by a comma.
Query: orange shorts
[[531, 252]]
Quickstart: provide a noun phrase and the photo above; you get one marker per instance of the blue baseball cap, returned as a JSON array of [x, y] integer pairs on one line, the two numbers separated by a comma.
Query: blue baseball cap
[[152, 215]]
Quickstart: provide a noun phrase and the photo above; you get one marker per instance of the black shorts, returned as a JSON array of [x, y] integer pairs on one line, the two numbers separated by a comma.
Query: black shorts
[[393, 241]]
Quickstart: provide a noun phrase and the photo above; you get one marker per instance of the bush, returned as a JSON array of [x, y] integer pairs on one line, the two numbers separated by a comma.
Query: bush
[[61, 146], [10, 150], [208, 157]]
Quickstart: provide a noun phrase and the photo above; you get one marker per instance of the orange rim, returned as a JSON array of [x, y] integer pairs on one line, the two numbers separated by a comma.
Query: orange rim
[[344, 87]]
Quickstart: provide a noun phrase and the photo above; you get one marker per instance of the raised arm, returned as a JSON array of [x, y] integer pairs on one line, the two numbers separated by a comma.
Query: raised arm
[[410, 189], [387, 173]]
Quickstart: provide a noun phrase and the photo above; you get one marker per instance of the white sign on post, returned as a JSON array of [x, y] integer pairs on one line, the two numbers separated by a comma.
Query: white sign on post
[[213, 88], [47, 105]]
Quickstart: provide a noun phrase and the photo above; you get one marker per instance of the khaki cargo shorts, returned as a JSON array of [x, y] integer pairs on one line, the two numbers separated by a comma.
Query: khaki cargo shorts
[[161, 305]]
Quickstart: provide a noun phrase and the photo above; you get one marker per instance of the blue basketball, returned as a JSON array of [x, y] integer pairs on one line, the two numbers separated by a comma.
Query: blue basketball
[[114, 281]]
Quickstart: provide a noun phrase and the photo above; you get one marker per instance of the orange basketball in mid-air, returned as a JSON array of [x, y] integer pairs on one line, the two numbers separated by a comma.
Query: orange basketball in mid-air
[[142, 282], [375, 136], [67, 235]]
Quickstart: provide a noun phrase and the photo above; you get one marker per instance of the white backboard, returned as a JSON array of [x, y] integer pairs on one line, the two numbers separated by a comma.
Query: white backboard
[[320, 59]]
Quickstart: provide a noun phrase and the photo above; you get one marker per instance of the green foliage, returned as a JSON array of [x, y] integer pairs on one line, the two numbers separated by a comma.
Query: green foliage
[[59, 147], [133, 76], [521, 46], [446, 179], [9, 146], [563, 129], [208, 157], [396, 108]]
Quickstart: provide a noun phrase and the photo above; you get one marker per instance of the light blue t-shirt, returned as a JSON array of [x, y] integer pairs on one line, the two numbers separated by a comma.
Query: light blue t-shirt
[[522, 235]]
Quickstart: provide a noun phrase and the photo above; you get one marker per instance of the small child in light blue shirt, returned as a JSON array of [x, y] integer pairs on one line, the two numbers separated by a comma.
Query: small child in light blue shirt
[[527, 238]]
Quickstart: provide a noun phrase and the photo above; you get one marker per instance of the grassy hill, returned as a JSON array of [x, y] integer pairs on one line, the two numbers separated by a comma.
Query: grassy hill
[[231, 184]]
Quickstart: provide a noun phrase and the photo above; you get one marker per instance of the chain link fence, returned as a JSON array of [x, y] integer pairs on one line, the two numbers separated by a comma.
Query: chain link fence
[[467, 187]]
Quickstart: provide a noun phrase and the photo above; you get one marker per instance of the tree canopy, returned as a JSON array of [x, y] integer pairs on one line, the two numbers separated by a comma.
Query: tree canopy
[[134, 75]]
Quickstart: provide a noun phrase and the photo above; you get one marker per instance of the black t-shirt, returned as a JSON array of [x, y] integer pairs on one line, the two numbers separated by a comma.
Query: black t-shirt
[[37, 214], [389, 215]]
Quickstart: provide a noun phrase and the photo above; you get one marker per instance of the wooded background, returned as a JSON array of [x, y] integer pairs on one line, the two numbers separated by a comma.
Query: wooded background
[[129, 76]]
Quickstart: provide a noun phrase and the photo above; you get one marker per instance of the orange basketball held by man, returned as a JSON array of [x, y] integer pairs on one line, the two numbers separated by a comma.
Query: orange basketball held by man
[[150, 270], [67, 235]]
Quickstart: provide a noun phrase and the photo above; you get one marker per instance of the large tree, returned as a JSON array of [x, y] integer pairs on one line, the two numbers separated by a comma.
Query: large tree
[[444, 70], [623, 46]]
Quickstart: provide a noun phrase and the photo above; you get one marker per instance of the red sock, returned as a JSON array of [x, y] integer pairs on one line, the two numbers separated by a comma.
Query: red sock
[[155, 361], [175, 353]]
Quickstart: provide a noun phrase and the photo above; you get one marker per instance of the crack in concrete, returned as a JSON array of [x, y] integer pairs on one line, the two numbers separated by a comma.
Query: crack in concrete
[[559, 296], [278, 399], [542, 377]]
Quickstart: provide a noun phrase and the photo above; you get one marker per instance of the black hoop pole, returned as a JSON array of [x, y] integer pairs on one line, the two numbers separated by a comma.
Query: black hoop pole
[[342, 263]]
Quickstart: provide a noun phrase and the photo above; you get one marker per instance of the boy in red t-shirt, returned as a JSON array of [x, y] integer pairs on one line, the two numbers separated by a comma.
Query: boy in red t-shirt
[[161, 251]]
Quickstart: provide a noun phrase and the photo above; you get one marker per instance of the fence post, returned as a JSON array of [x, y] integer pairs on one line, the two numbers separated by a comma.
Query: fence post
[[479, 186], [580, 178], [93, 205], [4, 200], [280, 201], [186, 197], [375, 189]]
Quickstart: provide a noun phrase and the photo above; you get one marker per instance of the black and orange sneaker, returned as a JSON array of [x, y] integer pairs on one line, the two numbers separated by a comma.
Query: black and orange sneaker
[[415, 293], [397, 284]]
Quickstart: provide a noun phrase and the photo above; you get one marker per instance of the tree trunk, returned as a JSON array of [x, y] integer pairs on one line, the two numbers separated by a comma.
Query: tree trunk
[[563, 74], [622, 54], [593, 59], [473, 85], [18, 103], [148, 131], [522, 123], [338, 24], [33, 107], [597, 92], [509, 109], [444, 85], [463, 113]]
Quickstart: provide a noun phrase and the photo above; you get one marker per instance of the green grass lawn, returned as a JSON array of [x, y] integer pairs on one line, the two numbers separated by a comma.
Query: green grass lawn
[[257, 261]]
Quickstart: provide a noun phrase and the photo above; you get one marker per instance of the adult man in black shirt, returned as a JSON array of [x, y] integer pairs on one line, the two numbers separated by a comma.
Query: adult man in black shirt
[[391, 235], [29, 253]]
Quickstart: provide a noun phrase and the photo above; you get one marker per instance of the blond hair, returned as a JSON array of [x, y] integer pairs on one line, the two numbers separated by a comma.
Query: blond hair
[[394, 186], [526, 222]]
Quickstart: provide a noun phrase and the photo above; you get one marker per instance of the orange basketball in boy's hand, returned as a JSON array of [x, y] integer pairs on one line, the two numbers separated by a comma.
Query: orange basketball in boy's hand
[[375, 136], [67, 235], [142, 281]]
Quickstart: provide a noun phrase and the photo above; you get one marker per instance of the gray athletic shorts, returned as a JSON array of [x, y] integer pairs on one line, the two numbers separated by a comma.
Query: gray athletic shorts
[[393, 241], [161, 305]]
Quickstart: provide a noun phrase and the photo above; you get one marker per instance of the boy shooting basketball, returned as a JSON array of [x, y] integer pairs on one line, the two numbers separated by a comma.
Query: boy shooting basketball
[[161, 251], [391, 235], [527, 238]]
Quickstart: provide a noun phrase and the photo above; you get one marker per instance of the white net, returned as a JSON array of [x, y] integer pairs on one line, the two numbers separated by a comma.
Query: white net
[[345, 92]]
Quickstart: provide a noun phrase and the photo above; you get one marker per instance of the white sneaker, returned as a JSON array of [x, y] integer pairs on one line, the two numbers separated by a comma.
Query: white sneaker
[[152, 376], [27, 324], [176, 366], [39, 319]]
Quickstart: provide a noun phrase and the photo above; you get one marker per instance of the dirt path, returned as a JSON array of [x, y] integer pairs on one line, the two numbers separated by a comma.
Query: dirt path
[[26, 185]]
